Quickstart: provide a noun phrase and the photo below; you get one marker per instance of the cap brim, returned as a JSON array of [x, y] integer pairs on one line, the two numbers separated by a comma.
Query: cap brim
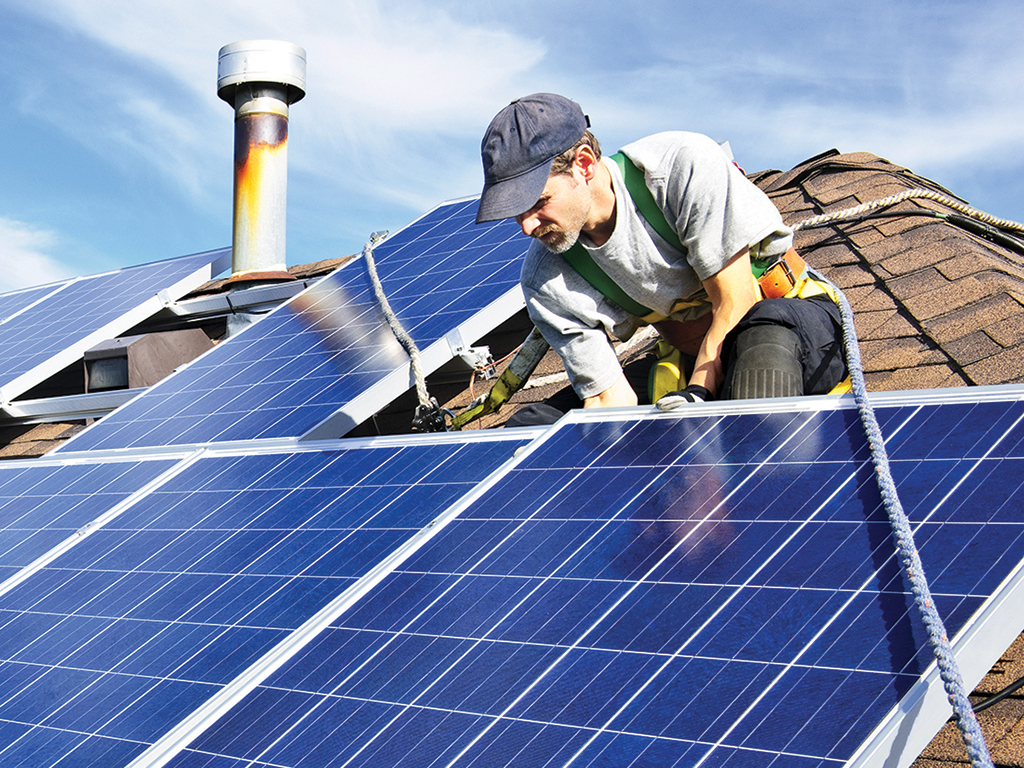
[[511, 197]]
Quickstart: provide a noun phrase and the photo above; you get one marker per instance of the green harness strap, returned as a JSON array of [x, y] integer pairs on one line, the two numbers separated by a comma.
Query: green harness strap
[[581, 261], [637, 187], [646, 206]]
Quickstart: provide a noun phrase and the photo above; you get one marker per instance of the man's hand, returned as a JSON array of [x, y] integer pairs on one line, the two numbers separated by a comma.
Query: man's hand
[[673, 401]]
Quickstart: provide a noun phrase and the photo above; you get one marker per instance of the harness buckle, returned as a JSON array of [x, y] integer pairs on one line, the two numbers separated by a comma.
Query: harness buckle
[[782, 276]]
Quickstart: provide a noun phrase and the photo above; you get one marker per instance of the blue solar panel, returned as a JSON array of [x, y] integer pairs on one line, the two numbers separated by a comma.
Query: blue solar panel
[[42, 504], [701, 591], [329, 346], [124, 634], [18, 301], [63, 323]]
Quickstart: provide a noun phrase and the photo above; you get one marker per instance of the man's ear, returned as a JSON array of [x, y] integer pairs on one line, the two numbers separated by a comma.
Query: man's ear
[[586, 161]]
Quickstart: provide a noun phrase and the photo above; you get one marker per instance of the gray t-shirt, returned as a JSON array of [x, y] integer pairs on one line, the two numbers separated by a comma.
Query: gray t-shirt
[[716, 212]]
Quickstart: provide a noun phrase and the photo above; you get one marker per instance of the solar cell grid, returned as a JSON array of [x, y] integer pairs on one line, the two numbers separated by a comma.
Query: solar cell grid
[[41, 505], [670, 592], [18, 301], [331, 345], [969, 436], [125, 634]]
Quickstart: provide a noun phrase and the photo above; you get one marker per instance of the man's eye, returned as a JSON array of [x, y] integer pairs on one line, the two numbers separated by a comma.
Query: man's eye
[[530, 212]]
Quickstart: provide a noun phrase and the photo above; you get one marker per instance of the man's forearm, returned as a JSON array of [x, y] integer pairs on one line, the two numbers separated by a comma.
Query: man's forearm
[[732, 294], [707, 368], [617, 395]]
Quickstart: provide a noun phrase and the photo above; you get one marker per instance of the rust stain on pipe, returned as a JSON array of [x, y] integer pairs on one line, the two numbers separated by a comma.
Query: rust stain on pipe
[[261, 163]]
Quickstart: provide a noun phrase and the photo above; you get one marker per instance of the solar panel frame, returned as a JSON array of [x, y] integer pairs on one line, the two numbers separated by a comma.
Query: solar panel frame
[[54, 330], [363, 406]]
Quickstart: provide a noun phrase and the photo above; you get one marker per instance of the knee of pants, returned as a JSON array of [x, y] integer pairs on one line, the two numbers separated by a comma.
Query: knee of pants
[[784, 312], [818, 332], [765, 361]]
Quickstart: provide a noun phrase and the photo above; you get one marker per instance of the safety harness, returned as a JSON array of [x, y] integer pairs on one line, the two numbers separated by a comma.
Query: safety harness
[[786, 277]]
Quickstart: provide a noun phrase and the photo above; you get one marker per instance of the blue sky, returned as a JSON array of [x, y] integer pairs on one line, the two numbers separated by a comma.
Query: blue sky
[[116, 150]]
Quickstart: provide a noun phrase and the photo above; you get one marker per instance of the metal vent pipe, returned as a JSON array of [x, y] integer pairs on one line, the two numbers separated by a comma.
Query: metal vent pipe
[[260, 79]]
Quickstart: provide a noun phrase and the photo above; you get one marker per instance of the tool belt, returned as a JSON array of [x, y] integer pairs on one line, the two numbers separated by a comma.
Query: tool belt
[[790, 278]]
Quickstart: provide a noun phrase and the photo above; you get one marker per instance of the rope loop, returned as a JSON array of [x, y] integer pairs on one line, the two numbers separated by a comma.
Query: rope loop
[[428, 417]]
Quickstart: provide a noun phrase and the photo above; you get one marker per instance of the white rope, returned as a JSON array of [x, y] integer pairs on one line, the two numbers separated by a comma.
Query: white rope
[[910, 194], [400, 333], [949, 670], [542, 381]]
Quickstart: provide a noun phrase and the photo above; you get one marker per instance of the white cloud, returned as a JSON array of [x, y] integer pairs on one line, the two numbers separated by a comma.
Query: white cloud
[[24, 254], [933, 89], [399, 91], [406, 64], [386, 82]]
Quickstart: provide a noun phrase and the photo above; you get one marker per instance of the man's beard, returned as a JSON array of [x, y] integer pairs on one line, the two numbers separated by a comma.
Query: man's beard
[[558, 240]]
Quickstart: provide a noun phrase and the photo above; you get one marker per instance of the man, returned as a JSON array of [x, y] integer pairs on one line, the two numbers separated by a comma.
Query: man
[[543, 167]]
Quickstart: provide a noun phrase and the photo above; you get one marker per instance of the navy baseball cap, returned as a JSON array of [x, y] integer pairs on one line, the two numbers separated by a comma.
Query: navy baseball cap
[[519, 148]]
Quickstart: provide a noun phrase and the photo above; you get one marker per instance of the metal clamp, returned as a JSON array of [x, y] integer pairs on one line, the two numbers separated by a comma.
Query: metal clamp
[[477, 358]]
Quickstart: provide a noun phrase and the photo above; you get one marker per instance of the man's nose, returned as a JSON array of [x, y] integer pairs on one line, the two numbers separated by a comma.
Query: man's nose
[[528, 222]]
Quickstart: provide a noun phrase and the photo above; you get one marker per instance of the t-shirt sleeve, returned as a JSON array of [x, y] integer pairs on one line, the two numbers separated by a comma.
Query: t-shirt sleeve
[[575, 319], [717, 211]]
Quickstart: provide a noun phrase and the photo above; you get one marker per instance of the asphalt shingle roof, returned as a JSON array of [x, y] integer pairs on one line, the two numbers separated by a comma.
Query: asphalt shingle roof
[[934, 305]]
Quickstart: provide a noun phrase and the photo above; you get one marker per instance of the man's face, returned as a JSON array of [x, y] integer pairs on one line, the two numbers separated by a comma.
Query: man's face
[[558, 217]]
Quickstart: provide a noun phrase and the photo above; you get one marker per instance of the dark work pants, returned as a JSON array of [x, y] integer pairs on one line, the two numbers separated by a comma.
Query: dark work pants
[[816, 322], [818, 325]]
